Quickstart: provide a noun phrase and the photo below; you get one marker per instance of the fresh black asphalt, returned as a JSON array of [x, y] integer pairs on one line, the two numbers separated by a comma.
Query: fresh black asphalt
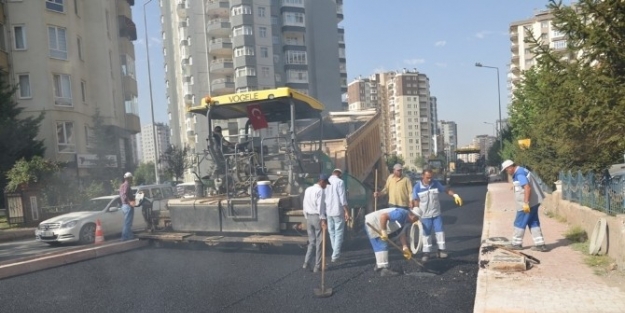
[[202, 279]]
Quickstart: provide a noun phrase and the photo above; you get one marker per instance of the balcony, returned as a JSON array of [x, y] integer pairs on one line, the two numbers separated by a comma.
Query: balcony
[[339, 11], [133, 124], [123, 9], [220, 47], [127, 28], [219, 27], [514, 35], [130, 85], [185, 51], [218, 7], [222, 67], [181, 8], [293, 3], [222, 85], [514, 47], [131, 2]]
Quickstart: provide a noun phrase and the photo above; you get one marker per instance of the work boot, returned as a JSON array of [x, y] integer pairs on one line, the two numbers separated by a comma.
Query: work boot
[[386, 272], [541, 248], [515, 247], [376, 268], [425, 257], [442, 254]]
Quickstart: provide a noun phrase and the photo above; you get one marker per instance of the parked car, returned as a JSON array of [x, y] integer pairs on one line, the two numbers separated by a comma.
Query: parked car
[[156, 194], [80, 226]]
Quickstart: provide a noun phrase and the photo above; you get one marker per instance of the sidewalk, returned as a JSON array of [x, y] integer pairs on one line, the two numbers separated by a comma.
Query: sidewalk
[[560, 283], [14, 234]]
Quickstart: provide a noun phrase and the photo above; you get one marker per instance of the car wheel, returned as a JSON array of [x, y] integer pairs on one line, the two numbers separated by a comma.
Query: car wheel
[[87, 234]]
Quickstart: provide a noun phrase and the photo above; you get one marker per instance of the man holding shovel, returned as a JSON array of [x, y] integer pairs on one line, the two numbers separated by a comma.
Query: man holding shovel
[[315, 214], [381, 223]]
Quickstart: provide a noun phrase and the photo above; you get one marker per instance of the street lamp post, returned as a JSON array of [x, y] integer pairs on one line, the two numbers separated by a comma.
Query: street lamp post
[[494, 131], [147, 52], [500, 135]]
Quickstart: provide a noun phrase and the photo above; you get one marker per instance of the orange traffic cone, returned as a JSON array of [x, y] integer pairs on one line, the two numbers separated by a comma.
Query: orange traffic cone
[[99, 236]]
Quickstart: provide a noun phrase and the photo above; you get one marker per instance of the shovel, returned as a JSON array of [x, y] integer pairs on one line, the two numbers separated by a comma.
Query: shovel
[[398, 248], [323, 292]]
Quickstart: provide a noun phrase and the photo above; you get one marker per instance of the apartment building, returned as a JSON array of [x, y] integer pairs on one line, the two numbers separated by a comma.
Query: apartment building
[[484, 143], [449, 132], [540, 25], [216, 47], [69, 58], [404, 99], [151, 152]]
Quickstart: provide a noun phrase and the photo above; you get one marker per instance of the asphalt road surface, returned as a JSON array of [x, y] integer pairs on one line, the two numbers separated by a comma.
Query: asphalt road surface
[[26, 248], [182, 279]]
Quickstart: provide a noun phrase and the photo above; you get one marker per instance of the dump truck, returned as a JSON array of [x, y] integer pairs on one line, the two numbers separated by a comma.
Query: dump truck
[[238, 207]]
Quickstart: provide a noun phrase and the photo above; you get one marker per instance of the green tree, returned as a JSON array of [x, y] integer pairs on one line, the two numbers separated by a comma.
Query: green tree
[[574, 111], [420, 161], [17, 134], [175, 161], [35, 170], [393, 159], [144, 174]]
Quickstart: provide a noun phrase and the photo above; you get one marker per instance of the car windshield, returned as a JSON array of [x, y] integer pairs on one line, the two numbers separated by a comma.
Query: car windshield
[[94, 205]]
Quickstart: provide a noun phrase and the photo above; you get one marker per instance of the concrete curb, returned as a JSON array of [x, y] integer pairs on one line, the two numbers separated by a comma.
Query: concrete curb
[[482, 282], [15, 235], [38, 263]]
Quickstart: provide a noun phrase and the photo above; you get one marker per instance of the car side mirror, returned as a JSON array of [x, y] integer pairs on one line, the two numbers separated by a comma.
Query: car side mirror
[[113, 209]]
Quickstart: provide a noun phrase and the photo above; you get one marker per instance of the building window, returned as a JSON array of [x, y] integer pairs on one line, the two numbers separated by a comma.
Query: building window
[[79, 44], [245, 71], [275, 39], [57, 42], [296, 57], [241, 9], [242, 30], [278, 78], [274, 20], [87, 135], [65, 137], [83, 91], [544, 24], [261, 11], [264, 52], [108, 25], [295, 76], [559, 45], [20, 37], [262, 32], [24, 86], [3, 44], [62, 90], [276, 58], [264, 71], [55, 5], [76, 7], [128, 65], [242, 51], [294, 19]]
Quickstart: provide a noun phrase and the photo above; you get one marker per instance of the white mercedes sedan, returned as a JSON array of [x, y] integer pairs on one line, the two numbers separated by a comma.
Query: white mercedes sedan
[[80, 225]]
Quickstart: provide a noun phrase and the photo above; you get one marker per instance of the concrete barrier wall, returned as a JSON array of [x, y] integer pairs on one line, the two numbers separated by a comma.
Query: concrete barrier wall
[[587, 218]]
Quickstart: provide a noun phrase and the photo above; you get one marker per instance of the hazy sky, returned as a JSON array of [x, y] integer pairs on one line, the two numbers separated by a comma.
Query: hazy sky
[[442, 39]]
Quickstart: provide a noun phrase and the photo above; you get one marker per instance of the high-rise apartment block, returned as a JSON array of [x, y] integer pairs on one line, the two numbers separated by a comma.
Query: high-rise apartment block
[[70, 58], [484, 143], [150, 151], [215, 47], [449, 132], [406, 106], [541, 27]]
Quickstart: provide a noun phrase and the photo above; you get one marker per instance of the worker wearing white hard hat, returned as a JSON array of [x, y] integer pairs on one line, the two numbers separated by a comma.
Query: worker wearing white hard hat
[[528, 195], [128, 206]]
